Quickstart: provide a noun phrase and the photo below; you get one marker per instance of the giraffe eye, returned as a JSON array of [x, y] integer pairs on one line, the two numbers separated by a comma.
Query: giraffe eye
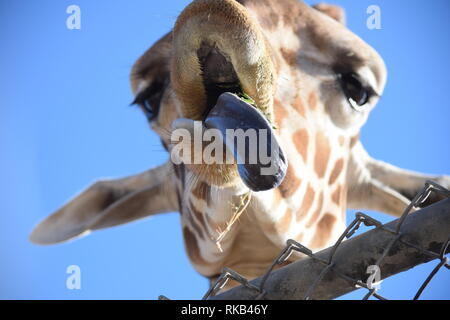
[[150, 98], [148, 109], [356, 92]]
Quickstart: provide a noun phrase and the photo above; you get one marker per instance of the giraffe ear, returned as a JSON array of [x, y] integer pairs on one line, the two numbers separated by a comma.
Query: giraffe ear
[[106, 204], [335, 12]]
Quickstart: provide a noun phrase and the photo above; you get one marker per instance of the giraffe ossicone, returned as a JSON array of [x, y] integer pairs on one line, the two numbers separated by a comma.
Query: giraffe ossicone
[[313, 84]]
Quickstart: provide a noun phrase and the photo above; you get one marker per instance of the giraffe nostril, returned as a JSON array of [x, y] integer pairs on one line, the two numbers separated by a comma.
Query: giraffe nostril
[[218, 75]]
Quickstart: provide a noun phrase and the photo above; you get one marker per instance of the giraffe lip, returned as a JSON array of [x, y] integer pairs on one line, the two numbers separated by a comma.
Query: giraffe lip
[[260, 160]]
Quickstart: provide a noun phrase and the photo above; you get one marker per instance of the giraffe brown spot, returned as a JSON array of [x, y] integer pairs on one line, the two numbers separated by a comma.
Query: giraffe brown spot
[[289, 56], [336, 196], [335, 12], [298, 105], [316, 213], [279, 111], [177, 171], [284, 223], [354, 140], [202, 191], [324, 231], [192, 247], [312, 101], [198, 219], [343, 200], [308, 200], [301, 140], [180, 203], [268, 14], [336, 171], [180, 173], [290, 183], [322, 154], [198, 215]]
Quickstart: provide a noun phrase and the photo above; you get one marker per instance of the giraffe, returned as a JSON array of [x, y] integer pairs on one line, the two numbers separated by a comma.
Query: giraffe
[[312, 77]]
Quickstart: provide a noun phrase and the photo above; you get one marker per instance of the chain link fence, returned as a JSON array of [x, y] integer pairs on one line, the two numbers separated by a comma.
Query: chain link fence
[[360, 262]]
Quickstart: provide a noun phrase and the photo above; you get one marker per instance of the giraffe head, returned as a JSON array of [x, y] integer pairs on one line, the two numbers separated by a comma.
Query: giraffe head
[[313, 84], [286, 56], [309, 76]]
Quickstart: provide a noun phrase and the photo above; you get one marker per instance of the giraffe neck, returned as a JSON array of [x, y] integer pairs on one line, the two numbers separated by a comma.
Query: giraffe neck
[[312, 198]]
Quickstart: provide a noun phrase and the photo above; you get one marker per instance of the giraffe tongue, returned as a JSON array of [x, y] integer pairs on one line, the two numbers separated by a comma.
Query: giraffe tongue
[[260, 159]]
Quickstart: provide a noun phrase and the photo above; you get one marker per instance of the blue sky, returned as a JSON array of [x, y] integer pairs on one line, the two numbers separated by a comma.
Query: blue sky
[[65, 121]]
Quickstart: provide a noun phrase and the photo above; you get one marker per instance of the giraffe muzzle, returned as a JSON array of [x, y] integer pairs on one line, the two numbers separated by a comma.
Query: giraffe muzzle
[[249, 136]]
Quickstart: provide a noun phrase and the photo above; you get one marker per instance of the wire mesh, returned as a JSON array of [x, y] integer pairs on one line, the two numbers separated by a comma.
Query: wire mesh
[[371, 285]]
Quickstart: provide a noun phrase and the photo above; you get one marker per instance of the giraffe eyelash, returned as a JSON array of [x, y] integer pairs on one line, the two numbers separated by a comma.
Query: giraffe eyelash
[[150, 98]]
